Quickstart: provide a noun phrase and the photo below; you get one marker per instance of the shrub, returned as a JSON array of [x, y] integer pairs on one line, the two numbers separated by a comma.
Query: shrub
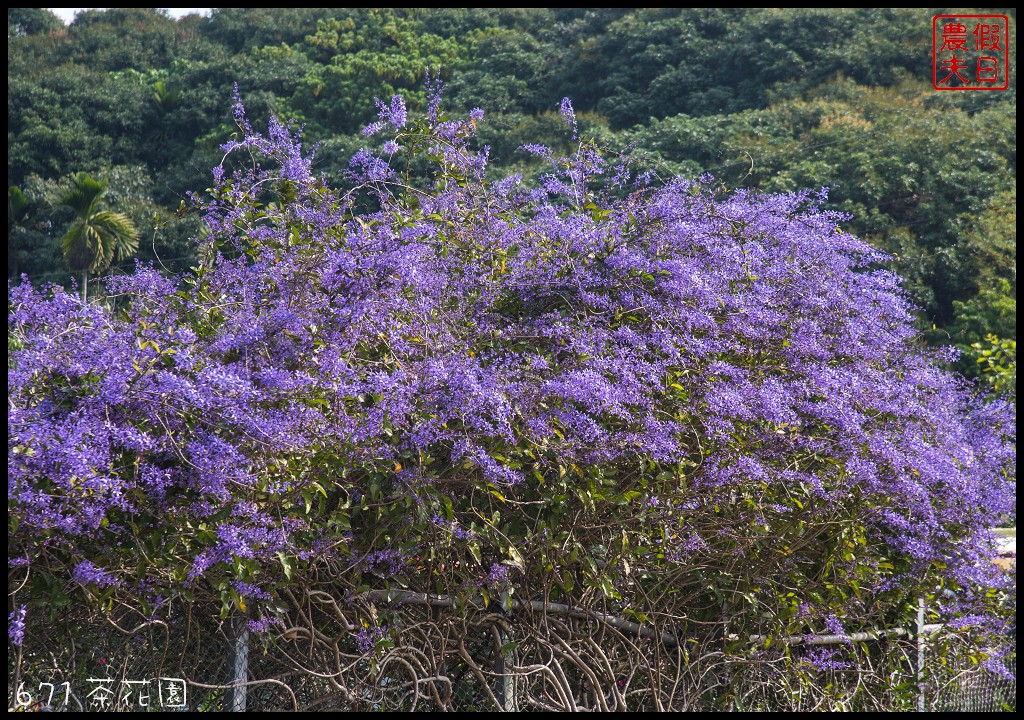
[[607, 390]]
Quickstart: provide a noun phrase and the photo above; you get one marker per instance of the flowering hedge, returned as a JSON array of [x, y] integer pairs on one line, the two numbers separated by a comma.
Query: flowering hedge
[[608, 389]]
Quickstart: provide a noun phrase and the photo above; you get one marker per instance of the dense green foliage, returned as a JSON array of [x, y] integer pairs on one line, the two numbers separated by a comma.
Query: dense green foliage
[[779, 99]]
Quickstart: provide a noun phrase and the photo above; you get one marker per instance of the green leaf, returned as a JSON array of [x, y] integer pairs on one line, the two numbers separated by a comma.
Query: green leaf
[[287, 563], [517, 558]]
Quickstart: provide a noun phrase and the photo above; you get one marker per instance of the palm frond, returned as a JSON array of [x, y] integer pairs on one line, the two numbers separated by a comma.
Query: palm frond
[[83, 195], [96, 237], [18, 205], [121, 237]]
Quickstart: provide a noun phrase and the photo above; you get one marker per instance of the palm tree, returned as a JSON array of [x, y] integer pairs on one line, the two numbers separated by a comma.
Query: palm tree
[[97, 236]]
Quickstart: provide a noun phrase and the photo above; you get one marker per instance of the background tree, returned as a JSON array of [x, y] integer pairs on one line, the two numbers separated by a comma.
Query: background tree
[[32, 21], [97, 235]]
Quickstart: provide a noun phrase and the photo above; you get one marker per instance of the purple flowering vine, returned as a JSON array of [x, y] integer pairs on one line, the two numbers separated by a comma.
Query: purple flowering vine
[[615, 379]]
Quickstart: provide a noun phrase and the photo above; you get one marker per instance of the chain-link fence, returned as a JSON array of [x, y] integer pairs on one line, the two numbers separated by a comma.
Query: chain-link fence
[[960, 685], [404, 652]]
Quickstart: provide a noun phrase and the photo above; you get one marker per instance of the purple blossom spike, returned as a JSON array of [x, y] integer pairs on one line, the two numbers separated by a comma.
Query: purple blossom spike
[[16, 625]]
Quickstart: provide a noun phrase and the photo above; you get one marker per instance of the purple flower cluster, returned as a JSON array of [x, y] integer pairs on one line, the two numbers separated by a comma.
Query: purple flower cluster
[[393, 114], [569, 115], [16, 625], [367, 638], [824, 659], [86, 573], [248, 590], [835, 627], [263, 624], [453, 527], [386, 563], [497, 576]]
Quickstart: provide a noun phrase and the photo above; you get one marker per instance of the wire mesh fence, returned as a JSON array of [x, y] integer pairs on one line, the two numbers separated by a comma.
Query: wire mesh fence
[[964, 686], [389, 652]]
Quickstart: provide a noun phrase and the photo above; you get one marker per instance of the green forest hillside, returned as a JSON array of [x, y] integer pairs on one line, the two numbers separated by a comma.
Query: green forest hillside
[[777, 99]]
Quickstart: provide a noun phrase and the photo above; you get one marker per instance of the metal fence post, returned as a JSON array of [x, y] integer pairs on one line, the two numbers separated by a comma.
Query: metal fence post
[[503, 664], [508, 683], [238, 665], [920, 654]]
